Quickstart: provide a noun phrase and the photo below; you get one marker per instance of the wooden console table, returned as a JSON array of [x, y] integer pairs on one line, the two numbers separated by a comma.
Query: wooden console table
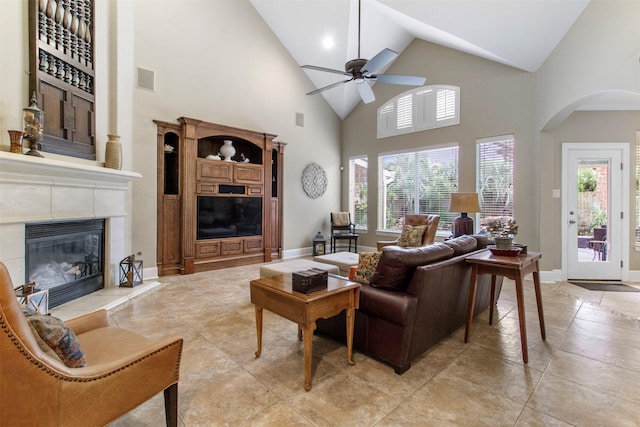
[[276, 295], [515, 268]]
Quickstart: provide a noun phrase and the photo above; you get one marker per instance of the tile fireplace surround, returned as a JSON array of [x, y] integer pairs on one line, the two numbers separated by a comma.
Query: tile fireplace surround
[[39, 190]]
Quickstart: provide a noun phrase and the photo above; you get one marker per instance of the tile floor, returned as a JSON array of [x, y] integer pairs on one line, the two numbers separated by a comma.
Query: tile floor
[[586, 373]]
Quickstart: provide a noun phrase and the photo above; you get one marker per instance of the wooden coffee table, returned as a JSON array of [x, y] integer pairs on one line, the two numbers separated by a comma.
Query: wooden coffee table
[[276, 295]]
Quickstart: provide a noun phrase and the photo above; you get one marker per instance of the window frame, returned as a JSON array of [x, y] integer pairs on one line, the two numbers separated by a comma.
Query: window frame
[[444, 225], [430, 107], [352, 183], [480, 217]]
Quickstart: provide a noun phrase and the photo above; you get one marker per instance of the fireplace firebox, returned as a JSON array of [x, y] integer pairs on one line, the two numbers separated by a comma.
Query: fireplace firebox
[[65, 257]]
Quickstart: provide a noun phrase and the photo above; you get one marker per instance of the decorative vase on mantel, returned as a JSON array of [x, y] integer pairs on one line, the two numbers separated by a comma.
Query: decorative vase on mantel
[[113, 153], [16, 141], [228, 150]]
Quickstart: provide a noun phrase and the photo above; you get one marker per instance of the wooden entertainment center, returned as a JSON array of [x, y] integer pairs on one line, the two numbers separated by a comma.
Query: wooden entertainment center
[[216, 212]]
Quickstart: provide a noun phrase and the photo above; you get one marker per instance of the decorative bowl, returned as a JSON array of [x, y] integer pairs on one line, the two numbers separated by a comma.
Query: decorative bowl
[[514, 251]]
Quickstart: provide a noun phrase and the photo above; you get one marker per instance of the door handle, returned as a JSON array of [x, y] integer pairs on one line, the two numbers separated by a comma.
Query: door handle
[[572, 222]]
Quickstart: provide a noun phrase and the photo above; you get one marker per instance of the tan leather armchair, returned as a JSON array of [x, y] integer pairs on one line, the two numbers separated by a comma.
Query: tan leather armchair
[[123, 370], [431, 221]]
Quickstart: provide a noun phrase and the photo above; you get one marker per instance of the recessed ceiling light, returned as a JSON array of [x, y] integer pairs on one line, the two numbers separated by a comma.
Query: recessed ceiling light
[[328, 42]]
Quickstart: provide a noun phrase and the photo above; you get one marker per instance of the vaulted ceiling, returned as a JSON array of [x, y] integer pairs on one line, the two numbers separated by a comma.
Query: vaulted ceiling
[[518, 33]]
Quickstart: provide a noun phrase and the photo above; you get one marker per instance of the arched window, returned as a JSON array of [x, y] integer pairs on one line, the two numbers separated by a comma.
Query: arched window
[[419, 109]]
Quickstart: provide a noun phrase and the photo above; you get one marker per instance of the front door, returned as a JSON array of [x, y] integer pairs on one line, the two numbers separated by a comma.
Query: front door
[[595, 192]]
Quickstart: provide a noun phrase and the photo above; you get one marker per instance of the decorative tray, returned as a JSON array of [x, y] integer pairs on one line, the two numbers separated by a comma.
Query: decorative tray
[[514, 251]]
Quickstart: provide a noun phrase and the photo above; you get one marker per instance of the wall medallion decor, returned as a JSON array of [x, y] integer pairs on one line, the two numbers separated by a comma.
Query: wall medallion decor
[[314, 180]]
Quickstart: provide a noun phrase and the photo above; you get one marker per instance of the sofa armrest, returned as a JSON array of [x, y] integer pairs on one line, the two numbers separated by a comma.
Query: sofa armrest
[[382, 243]]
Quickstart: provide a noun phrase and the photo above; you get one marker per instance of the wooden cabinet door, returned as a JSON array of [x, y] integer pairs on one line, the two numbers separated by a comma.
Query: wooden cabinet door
[[231, 247], [207, 250], [246, 173], [253, 244], [215, 171]]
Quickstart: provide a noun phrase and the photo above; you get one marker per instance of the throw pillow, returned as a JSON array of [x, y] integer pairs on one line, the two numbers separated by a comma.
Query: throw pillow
[[367, 264], [412, 236], [60, 338], [396, 265]]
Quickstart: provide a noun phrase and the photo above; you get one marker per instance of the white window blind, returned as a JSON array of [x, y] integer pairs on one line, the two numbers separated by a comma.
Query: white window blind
[[495, 172], [446, 104], [420, 109], [405, 112], [358, 191], [418, 182]]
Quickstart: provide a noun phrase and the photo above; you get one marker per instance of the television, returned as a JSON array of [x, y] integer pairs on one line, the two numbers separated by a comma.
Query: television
[[228, 216]]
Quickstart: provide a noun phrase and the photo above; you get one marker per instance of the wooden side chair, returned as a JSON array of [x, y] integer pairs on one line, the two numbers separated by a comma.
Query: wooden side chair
[[122, 369], [343, 229]]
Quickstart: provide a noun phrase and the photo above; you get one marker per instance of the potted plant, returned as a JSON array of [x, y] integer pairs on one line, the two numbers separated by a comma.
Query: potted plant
[[502, 232]]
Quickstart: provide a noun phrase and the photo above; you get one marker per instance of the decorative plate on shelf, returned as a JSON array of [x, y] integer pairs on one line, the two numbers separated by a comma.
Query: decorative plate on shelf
[[514, 251], [314, 180]]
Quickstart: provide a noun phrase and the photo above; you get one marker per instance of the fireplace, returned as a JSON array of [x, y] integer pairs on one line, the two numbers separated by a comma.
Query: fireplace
[[45, 190], [65, 257]]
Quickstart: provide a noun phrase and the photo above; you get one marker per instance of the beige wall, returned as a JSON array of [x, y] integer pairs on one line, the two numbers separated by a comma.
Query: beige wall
[[599, 55], [583, 126], [495, 100], [213, 60], [218, 61]]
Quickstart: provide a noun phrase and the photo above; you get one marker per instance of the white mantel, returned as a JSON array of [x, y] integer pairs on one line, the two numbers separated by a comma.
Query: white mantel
[[34, 189]]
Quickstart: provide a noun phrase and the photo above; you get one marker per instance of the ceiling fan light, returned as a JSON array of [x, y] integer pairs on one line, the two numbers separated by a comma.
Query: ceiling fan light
[[328, 42]]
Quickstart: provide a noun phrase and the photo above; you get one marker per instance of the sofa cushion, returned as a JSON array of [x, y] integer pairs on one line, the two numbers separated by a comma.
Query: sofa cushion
[[483, 240], [412, 236], [60, 338], [396, 264], [367, 264], [462, 244]]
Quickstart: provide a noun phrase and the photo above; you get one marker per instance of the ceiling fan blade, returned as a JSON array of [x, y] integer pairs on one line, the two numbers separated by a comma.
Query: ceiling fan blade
[[384, 57], [326, 70], [395, 79], [328, 87], [365, 91]]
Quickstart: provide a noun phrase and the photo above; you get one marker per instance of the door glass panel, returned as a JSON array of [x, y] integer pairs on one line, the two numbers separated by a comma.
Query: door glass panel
[[593, 205]]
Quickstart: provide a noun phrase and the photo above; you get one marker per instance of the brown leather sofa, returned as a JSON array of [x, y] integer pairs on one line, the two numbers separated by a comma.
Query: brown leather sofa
[[417, 297], [123, 370]]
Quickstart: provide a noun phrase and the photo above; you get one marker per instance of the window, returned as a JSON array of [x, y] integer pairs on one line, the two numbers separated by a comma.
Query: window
[[418, 182], [495, 158], [420, 109], [358, 196]]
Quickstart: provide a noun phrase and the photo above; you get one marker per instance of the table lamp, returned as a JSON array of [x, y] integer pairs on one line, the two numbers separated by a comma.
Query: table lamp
[[463, 203]]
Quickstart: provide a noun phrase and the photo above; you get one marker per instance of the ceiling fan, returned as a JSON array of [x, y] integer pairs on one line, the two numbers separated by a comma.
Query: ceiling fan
[[360, 70]]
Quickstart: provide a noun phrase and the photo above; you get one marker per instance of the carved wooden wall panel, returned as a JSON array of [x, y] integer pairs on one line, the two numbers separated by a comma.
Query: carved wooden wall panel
[[61, 52]]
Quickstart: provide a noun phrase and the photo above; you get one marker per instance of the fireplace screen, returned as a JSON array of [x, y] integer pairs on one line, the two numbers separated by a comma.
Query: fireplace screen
[[66, 258]]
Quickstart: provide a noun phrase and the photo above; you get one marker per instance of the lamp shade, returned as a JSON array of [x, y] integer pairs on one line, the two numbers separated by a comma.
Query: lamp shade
[[464, 202]]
